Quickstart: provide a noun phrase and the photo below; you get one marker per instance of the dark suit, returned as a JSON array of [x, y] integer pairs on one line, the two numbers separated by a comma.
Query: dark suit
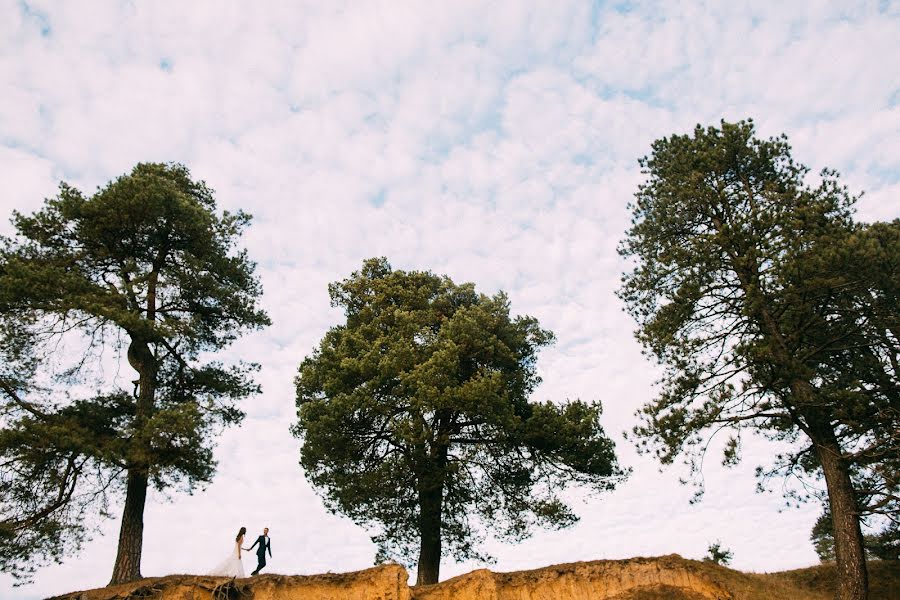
[[264, 544]]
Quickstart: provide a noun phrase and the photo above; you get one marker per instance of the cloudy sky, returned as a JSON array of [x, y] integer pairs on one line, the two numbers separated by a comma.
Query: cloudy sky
[[495, 142]]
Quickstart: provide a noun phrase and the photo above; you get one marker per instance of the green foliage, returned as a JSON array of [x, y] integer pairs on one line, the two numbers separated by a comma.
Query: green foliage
[[717, 554], [883, 545], [822, 537], [426, 388], [770, 310], [145, 263]]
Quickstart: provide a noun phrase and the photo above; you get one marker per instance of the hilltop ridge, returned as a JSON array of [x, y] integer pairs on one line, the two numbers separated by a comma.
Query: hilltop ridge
[[668, 577]]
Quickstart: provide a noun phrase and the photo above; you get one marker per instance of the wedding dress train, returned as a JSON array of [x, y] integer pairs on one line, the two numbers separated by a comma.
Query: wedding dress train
[[231, 566]]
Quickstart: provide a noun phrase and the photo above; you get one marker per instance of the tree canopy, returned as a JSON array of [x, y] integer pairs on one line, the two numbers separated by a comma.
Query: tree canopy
[[416, 420], [145, 269], [772, 312]]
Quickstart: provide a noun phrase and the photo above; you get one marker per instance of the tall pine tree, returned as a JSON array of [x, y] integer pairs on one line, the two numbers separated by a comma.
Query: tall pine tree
[[147, 267], [772, 312]]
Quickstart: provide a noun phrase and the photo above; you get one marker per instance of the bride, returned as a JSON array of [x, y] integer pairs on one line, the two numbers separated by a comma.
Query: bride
[[232, 566]]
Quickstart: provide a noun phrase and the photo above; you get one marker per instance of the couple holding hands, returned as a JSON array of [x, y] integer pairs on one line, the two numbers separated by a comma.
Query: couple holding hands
[[233, 567]]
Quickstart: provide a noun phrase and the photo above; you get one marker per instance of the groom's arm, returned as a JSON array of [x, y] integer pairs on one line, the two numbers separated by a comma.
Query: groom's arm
[[254, 544]]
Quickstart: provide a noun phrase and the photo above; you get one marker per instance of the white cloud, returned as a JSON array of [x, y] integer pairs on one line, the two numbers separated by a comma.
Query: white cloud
[[494, 142]]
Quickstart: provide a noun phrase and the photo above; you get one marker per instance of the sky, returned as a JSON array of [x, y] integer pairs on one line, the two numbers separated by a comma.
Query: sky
[[494, 142]]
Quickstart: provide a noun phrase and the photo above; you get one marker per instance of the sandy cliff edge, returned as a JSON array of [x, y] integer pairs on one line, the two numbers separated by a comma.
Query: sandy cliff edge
[[660, 578]]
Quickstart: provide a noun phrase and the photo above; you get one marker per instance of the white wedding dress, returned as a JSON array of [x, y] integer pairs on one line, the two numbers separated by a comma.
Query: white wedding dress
[[231, 566]]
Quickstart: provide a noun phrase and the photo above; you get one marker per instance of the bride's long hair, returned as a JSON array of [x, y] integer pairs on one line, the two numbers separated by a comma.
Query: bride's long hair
[[240, 534]]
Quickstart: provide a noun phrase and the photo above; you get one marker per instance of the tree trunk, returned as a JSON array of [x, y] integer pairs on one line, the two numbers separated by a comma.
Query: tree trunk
[[849, 551], [131, 534], [848, 541], [430, 506]]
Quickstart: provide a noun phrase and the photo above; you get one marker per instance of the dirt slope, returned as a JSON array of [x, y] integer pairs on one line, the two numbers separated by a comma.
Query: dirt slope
[[599, 580], [387, 582], [661, 578]]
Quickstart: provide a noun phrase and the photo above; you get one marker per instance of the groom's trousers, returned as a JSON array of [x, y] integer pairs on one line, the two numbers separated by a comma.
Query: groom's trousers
[[261, 562]]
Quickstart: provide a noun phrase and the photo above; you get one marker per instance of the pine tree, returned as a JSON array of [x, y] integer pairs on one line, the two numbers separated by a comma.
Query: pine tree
[[416, 421], [772, 312], [145, 267]]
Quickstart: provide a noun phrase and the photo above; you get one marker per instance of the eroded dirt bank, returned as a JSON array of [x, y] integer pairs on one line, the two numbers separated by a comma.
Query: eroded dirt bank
[[597, 580], [662, 578], [387, 582]]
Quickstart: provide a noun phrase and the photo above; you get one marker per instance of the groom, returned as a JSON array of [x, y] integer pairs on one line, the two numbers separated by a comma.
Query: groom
[[264, 544]]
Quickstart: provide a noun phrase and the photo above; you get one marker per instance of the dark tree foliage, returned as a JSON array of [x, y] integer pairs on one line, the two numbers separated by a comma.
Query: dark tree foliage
[[48, 484], [145, 267], [822, 537], [883, 545], [416, 421], [773, 313], [715, 553]]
